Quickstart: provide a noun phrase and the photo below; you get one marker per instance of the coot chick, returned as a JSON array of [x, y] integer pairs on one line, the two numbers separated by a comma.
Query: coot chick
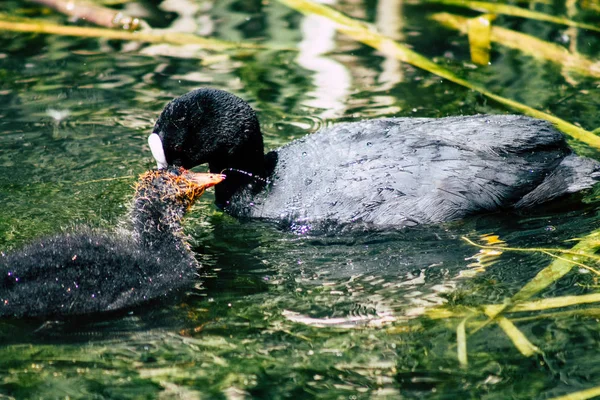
[[382, 173], [92, 271]]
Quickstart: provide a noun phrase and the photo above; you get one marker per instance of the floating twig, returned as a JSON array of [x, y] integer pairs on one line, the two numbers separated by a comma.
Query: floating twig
[[95, 14], [149, 36]]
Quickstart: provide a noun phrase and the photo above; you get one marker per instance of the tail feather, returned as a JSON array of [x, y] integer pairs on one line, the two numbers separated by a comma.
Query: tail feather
[[573, 174]]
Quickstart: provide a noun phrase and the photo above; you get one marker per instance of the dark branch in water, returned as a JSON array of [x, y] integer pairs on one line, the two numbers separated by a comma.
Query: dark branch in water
[[94, 14]]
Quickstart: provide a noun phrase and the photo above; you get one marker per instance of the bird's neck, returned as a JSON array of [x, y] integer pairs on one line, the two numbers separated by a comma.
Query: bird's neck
[[157, 222], [252, 171]]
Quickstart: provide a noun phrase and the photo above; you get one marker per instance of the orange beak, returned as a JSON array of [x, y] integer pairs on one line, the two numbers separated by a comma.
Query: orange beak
[[205, 180]]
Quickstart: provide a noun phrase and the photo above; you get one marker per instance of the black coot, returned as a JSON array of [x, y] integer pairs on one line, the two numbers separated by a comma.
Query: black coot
[[390, 172], [90, 271]]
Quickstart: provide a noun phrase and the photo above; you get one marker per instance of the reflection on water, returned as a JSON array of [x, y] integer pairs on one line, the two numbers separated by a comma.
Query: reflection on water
[[389, 22], [277, 314], [331, 80]]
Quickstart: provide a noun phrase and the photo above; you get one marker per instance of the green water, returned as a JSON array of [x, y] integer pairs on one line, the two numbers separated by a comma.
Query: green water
[[274, 314]]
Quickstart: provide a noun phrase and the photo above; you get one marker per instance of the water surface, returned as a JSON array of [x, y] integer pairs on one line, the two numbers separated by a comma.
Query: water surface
[[276, 314]]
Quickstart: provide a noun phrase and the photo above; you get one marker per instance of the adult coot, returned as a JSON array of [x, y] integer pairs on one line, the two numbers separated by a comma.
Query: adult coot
[[390, 172], [92, 271]]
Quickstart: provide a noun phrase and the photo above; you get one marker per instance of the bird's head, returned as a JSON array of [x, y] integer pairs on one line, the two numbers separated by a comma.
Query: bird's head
[[208, 126], [175, 184]]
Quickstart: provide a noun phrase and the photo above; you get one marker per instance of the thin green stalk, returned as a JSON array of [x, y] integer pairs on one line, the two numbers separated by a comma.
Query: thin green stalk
[[505, 9], [461, 343], [527, 44], [580, 395], [362, 33], [546, 277], [545, 250]]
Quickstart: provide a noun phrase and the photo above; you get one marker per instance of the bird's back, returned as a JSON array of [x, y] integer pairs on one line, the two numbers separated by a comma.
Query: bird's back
[[407, 171], [87, 272]]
